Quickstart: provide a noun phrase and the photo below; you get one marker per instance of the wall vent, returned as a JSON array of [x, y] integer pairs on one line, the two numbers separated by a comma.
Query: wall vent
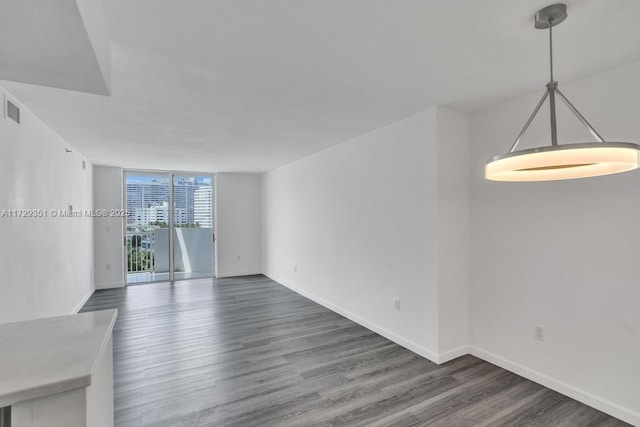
[[13, 112]]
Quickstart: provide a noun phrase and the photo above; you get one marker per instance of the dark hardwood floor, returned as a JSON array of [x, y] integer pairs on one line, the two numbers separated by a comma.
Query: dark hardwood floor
[[250, 352]]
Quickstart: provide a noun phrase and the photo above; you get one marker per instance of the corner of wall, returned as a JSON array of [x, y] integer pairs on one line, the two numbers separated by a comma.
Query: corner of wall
[[108, 231], [453, 232], [238, 217]]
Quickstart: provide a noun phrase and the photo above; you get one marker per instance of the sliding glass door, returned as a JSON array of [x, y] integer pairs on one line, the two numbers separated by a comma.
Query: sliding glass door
[[147, 230], [169, 230], [193, 231]]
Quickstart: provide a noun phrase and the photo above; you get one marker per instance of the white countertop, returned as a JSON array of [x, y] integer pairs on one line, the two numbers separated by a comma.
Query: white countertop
[[46, 356]]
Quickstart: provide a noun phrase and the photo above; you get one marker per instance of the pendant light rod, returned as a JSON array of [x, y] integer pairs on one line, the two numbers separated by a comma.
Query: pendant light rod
[[580, 117], [548, 18], [552, 112], [551, 49], [531, 117], [551, 87]]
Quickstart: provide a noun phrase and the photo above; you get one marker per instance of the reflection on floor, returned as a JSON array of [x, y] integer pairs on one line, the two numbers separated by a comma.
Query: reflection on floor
[[146, 277]]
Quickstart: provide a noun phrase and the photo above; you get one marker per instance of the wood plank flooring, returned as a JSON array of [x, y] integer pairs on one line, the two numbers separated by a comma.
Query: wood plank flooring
[[250, 352]]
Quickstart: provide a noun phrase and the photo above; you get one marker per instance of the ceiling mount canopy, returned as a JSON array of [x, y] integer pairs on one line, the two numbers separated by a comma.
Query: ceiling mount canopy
[[561, 161]]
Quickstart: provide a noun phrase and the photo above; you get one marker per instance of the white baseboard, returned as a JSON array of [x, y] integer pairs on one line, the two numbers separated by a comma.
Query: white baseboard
[[603, 405], [109, 285], [237, 274], [453, 353], [408, 344], [82, 302]]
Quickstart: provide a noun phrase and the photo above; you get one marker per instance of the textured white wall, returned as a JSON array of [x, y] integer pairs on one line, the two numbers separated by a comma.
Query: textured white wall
[[108, 232], [238, 205], [358, 221], [46, 263], [453, 232], [563, 254]]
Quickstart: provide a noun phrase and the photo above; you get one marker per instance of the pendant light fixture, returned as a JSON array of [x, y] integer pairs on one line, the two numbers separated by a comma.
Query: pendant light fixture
[[561, 161]]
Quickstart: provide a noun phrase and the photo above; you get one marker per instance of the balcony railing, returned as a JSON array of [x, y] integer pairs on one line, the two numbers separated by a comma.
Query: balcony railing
[[140, 251], [148, 250]]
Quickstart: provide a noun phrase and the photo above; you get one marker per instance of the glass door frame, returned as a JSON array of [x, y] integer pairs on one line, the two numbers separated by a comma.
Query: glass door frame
[[170, 174]]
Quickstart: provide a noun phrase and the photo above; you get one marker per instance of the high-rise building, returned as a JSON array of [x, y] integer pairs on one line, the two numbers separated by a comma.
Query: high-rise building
[[202, 206], [183, 193], [145, 195], [159, 215]]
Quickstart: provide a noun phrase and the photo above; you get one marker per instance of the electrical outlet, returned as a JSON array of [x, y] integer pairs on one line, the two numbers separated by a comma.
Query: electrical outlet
[[238, 257], [295, 268], [538, 332], [107, 267], [396, 304]]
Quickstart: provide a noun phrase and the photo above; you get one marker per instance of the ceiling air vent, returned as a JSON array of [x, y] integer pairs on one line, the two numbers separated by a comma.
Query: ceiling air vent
[[13, 112]]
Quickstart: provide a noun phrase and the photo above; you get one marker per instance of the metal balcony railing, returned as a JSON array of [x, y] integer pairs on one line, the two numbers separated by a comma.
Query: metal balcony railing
[[140, 251]]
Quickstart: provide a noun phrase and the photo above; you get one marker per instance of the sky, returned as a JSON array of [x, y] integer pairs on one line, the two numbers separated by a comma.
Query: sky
[[146, 179]]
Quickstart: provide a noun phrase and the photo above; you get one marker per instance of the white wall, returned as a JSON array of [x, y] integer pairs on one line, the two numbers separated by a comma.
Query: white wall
[[108, 231], [453, 232], [565, 254], [359, 222], [238, 205], [46, 263]]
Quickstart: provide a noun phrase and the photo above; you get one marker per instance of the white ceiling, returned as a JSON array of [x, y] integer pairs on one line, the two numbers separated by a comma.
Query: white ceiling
[[248, 85], [62, 43]]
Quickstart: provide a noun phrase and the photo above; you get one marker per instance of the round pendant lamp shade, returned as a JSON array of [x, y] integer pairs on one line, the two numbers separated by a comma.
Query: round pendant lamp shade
[[567, 161]]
